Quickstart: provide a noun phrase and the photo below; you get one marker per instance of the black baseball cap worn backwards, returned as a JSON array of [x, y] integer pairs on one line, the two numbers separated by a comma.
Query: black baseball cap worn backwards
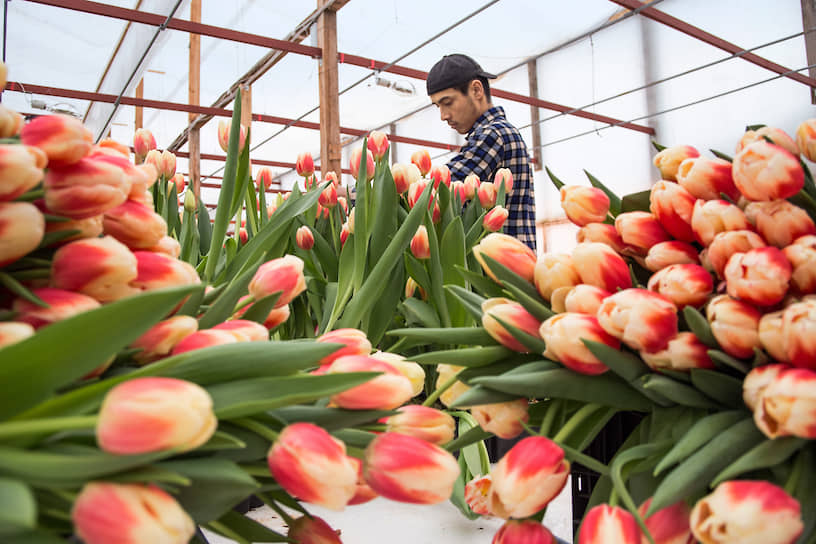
[[452, 71]]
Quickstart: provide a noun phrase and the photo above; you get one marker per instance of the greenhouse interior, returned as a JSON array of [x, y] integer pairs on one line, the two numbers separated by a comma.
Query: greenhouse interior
[[489, 271]]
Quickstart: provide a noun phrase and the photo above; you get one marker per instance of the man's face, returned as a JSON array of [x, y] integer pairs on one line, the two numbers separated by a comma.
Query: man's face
[[458, 110]]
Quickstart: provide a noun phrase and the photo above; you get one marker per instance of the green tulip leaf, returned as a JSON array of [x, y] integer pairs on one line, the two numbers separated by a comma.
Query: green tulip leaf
[[508, 277], [700, 327], [417, 311], [626, 365], [614, 200], [763, 455], [469, 357], [18, 509], [247, 528], [469, 336], [725, 389]]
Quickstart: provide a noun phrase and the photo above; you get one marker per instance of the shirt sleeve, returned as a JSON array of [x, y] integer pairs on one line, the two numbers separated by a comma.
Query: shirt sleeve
[[481, 155]]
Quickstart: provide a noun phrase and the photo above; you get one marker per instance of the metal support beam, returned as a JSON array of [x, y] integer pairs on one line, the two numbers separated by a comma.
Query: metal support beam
[[330, 150]]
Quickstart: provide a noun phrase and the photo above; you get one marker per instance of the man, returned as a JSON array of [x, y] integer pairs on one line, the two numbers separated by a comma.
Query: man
[[459, 87]]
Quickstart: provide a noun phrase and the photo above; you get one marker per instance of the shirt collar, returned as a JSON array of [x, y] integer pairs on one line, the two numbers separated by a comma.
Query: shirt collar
[[491, 114]]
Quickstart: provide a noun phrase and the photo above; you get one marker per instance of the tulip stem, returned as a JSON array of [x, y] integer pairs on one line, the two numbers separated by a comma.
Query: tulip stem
[[577, 418], [442, 388], [549, 418], [256, 427], [795, 475], [14, 429], [289, 520], [67, 496]]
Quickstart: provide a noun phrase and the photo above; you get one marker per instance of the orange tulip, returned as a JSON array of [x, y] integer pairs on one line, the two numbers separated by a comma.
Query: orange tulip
[[786, 406], [422, 160], [143, 143], [669, 159], [63, 138], [602, 233], [476, 493], [404, 176], [712, 217], [759, 276], [672, 205], [21, 169], [224, 128], [420, 246], [668, 253], [503, 419], [377, 144], [683, 284], [284, 274], [554, 270], [776, 135], [134, 224], [735, 325], [707, 179], [86, 188], [584, 205], [486, 194], [508, 311], [764, 171], [584, 299], [423, 422], [640, 230]]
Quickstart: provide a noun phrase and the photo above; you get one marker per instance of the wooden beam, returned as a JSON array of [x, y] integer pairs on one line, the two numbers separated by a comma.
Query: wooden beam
[[246, 106], [194, 98], [532, 78], [139, 115], [330, 150], [392, 153], [808, 23]]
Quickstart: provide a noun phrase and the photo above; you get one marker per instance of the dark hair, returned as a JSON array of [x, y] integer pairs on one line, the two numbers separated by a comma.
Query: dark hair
[[463, 88]]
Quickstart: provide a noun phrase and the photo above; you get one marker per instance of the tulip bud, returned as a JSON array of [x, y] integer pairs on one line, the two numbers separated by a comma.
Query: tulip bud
[[771, 336], [563, 333], [328, 197], [494, 219], [669, 159], [12, 332], [584, 299], [313, 530], [683, 352], [162, 337], [355, 341], [523, 531], [263, 178], [503, 175], [143, 143], [61, 305], [411, 370], [604, 524], [345, 230], [154, 158], [457, 190], [802, 256], [527, 478], [167, 165], [106, 512], [779, 222], [798, 323], [512, 313], [404, 176], [672, 205], [144, 178], [422, 160], [406, 469], [159, 271], [487, 194], [554, 270], [712, 217], [683, 284], [313, 466], [244, 330], [599, 265], [176, 183], [384, 392], [602, 233], [204, 339], [476, 493], [21, 169], [806, 139], [134, 224], [747, 512], [86, 188], [377, 144], [356, 159], [640, 230], [362, 491], [101, 268], [284, 275], [150, 414], [224, 128], [787, 405], [412, 288], [641, 319], [764, 171], [22, 227], [471, 185], [757, 380], [759, 276], [668, 253], [440, 174], [415, 191], [584, 205], [63, 138], [707, 179], [420, 246], [503, 419], [735, 325], [304, 238], [11, 122], [727, 243], [423, 422], [776, 135], [508, 251]]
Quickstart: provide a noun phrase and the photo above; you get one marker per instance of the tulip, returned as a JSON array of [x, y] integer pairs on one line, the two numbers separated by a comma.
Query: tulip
[[604, 524], [345, 230], [735, 325], [158, 271], [802, 256], [167, 245], [176, 183], [22, 227], [786, 405], [771, 336], [602, 233], [154, 159], [641, 319], [244, 330], [471, 186], [584, 205], [584, 299], [486, 194], [355, 343], [554, 270], [779, 222], [503, 175], [759, 276], [21, 169], [503, 419], [162, 337], [564, 334], [509, 252], [284, 275], [387, 391], [263, 178], [63, 138], [313, 466], [11, 122], [343, 204], [496, 311], [143, 143], [422, 160], [87, 188], [61, 305], [494, 219], [411, 370], [423, 422], [412, 288], [415, 191], [101, 268], [145, 176], [313, 530], [12, 332], [362, 491], [747, 512], [599, 265], [105, 512], [143, 415], [444, 374], [406, 469], [764, 171], [672, 205], [524, 531], [776, 135], [799, 341], [476, 493], [640, 230], [669, 159], [683, 284], [527, 478], [224, 128], [707, 179], [757, 380], [377, 144], [806, 139], [134, 224], [668, 253], [715, 216], [683, 352], [420, 246], [457, 190], [440, 174], [727, 243], [404, 176], [304, 238], [167, 164], [356, 159], [204, 339]]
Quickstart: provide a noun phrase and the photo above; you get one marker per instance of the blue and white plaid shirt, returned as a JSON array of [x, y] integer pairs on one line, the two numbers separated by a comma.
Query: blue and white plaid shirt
[[491, 144]]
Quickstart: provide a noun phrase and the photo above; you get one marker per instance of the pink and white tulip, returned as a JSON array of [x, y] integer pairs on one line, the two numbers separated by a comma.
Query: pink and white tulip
[[512, 313], [523, 531], [503, 419], [101, 268], [683, 284], [423, 422], [387, 391], [735, 325], [284, 275], [584, 205], [601, 266], [727, 243], [162, 337], [509, 252], [22, 228], [802, 256], [668, 253], [707, 179], [21, 169], [683, 352], [159, 271], [641, 319], [554, 270], [64, 139], [604, 524], [759, 276], [764, 171], [563, 333], [422, 160], [668, 160], [673, 205]]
